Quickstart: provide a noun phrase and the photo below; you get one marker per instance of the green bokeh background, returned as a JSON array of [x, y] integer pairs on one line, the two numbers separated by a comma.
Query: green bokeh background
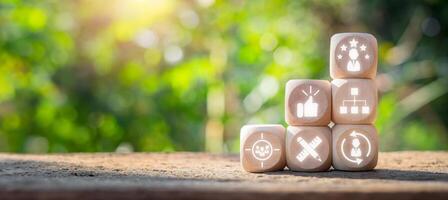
[[163, 75]]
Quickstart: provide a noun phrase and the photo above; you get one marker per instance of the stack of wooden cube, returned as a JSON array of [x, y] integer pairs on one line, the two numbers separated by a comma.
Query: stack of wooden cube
[[349, 101], [353, 66]]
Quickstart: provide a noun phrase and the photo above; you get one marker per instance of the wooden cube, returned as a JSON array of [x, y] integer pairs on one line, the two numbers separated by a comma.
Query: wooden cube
[[308, 148], [262, 148], [308, 102], [353, 55], [355, 147], [354, 101]]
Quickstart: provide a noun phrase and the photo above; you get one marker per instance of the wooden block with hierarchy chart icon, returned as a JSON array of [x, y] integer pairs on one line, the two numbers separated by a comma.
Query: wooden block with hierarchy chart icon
[[354, 101]]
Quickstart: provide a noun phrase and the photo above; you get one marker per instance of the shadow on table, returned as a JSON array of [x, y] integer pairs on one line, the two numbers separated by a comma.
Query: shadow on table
[[380, 174]]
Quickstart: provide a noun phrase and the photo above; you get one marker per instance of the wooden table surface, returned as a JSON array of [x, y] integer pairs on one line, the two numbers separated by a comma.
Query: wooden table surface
[[399, 175]]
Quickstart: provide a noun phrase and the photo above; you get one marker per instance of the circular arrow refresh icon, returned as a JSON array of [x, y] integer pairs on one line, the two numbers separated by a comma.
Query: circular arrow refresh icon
[[357, 160]]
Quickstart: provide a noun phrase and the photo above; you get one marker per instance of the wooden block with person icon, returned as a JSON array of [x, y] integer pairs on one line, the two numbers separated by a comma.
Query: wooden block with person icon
[[355, 147], [353, 55]]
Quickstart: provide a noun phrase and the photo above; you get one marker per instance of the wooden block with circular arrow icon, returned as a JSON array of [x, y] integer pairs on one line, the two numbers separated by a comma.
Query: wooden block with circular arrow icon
[[355, 147]]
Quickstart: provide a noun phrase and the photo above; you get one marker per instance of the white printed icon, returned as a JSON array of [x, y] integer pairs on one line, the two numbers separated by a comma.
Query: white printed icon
[[356, 153], [354, 53], [353, 64], [309, 149], [309, 108], [262, 150], [355, 104]]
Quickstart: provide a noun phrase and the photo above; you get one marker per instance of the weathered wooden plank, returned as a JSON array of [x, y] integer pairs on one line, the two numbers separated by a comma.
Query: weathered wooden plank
[[403, 175]]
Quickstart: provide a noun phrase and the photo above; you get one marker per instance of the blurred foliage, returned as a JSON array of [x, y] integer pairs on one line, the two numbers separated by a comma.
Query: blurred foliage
[[149, 75]]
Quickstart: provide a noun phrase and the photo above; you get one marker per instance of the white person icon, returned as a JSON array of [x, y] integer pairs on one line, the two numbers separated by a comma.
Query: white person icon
[[356, 150], [353, 64], [354, 54]]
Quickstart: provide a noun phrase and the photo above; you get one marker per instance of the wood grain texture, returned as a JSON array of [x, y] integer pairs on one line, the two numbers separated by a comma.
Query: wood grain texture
[[399, 175]]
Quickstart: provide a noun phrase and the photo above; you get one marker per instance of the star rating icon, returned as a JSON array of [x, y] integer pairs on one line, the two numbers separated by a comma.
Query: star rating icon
[[353, 43], [354, 46], [363, 47]]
